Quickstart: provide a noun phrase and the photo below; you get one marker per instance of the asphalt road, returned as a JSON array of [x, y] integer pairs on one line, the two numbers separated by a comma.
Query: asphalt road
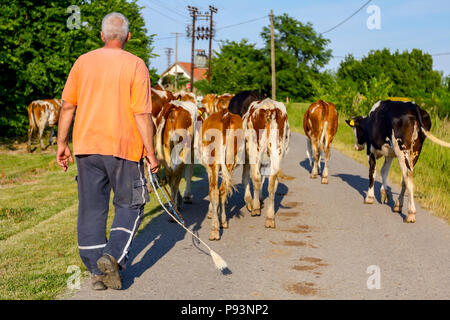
[[327, 245]]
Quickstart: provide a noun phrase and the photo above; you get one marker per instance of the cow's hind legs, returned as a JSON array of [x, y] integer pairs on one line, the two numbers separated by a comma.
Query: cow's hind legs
[[256, 179], [41, 134], [187, 198], [372, 173], [398, 206], [384, 174], [214, 201], [411, 217], [309, 151], [404, 161], [316, 163], [246, 183], [30, 134], [223, 204], [270, 214], [325, 169]]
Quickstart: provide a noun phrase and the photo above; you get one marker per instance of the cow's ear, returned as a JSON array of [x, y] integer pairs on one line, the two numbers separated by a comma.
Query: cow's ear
[[351, 123]]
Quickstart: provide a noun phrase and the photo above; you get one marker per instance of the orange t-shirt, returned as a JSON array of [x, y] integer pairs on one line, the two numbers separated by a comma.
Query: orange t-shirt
[[109, 87]]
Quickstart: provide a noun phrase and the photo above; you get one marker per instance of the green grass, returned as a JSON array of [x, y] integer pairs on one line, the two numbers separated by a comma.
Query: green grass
[[432, 171], [38, 213]]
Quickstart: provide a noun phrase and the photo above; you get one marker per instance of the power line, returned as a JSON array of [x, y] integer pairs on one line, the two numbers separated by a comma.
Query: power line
[[164, 15], [173, 10], [224, 27], [241, 23], [345, 20]]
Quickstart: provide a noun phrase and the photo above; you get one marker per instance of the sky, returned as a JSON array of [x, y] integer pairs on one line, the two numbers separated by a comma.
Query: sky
[[403, 25]]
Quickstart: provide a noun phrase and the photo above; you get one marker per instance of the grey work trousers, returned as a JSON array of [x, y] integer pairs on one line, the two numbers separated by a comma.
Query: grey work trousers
[[97, 175]]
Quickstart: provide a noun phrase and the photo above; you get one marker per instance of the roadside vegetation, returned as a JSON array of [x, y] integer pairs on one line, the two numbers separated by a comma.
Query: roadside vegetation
[[38, 214]]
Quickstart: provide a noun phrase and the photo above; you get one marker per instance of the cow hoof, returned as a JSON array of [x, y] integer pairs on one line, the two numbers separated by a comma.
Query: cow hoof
[[224, 225], [215, 235], [384, 197], [270, 223], [397, 208], [209, 216], [256, 212], [369, 200], [313, 176], [410, 218], [325, 180], [249, 207]]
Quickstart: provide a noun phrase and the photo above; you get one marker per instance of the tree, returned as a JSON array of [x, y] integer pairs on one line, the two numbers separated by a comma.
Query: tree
[[237, 67], [38, 49], [299, 52], [411, 73]]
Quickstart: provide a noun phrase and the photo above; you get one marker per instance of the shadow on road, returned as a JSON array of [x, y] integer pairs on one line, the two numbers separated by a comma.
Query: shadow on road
[[305, 164], [362, 184], [165, 234]]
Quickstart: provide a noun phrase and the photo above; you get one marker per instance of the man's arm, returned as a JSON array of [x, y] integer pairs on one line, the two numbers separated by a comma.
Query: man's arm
[[145, 127], [64, 155]]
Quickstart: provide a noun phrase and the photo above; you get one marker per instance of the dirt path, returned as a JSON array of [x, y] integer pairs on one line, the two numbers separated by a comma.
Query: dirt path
[[324, 243]]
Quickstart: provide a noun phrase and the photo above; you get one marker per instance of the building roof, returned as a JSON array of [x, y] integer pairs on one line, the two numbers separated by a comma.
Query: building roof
[[199, 73]]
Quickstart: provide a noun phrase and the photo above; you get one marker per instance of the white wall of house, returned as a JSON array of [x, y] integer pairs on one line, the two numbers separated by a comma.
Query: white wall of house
[[176, 68]]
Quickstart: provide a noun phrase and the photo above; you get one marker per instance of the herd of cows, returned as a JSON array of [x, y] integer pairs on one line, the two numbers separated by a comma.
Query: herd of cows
[[221, 132]]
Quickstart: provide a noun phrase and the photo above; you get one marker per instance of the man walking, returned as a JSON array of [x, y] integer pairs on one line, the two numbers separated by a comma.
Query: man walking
[[110, 90]]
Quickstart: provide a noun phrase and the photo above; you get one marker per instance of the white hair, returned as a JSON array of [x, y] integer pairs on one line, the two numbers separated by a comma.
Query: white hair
[[115, 26]]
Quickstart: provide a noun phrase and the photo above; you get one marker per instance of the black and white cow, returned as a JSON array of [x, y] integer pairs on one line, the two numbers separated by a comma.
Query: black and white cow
[[240, 103], [393, 129]]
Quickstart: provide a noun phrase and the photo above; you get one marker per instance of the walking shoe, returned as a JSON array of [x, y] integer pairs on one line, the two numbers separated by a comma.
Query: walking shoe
[[97, 282], [112, 278]]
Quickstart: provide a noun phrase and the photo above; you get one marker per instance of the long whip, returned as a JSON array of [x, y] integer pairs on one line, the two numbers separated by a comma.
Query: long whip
[[218, 260]]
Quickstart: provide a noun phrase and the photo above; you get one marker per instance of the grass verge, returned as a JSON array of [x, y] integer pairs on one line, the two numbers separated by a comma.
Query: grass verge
[[432, 171], [38, 213]]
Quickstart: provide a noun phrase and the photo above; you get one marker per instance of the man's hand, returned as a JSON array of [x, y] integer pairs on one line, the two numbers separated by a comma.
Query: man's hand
[[64, 156], [153, 163]]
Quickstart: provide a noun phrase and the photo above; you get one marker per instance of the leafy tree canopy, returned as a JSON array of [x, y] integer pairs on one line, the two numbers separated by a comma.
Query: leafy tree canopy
[[38, 49]]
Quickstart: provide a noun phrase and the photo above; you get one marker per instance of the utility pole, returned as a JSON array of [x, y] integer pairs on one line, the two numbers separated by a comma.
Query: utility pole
[[193, 13], [211, 26], [272, 55], [176, 58], [169, 52]]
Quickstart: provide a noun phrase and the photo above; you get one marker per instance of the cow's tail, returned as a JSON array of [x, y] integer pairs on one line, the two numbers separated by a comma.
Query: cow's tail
[[434, 139], [427, 133], [228, 157], [159, 143], [31, 116]]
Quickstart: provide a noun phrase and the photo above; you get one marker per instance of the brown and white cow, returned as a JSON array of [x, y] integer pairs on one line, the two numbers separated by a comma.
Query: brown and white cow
[[222, 149], [223, 101], [214, 103], [160, 97], [393, 129], [209, 103], [175, 126], [267, 136], [320, 123], [43, 114], [185, 96]]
